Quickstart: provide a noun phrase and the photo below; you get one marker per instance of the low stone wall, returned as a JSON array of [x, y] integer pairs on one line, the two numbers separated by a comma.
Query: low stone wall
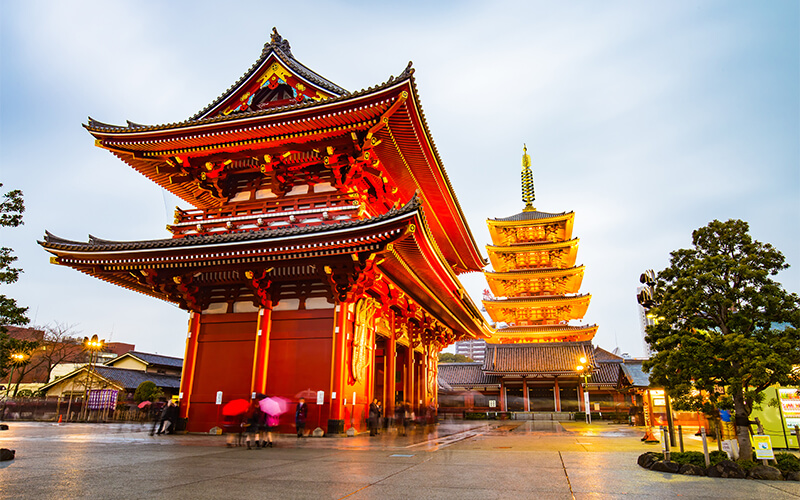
[[723, 469]]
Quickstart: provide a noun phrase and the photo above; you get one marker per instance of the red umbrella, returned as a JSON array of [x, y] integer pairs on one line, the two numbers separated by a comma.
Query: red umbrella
[[235, 407], [144, 403]]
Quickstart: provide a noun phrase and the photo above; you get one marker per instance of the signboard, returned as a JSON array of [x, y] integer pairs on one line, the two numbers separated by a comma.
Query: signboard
[[763, 447], [790, 405], [492, 403], [658, 397], [219, 397], [103, 399], [320, 397]]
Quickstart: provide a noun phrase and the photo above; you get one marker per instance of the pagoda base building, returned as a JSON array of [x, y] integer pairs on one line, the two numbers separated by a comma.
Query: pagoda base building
[[321, 255]]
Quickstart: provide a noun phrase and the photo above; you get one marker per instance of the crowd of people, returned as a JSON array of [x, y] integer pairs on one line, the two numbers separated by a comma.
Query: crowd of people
[[254, 428], [403, 417]]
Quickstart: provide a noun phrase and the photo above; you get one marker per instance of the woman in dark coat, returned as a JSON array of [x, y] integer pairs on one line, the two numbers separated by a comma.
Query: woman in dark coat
[[300, 416], [374, 417]]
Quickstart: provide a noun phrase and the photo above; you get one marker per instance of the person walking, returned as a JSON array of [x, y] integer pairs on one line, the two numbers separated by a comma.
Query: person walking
[[253, 421], [300, 416], [168, 417], [157, 411], [399, 417], [374, 417], [270, 422]]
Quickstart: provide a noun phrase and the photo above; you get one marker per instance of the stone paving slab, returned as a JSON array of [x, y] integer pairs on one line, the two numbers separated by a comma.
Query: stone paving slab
[[464, 461]]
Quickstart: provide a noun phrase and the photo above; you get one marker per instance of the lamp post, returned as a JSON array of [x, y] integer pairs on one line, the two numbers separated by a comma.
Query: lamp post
[[17, 358], [93, 345], [584, 370]]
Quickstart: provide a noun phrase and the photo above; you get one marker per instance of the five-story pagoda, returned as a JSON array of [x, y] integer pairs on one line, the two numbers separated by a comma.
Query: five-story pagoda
[[536, 285]]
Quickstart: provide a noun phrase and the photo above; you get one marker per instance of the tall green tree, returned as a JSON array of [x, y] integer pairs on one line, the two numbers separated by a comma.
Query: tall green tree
[[726, 330], [11, 210]]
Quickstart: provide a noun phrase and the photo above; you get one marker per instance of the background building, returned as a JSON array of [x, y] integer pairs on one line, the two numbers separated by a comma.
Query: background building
[[474, 349]]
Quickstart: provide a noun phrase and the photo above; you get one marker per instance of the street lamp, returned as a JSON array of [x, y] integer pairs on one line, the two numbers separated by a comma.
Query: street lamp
[[17, 358], [94, 345], [584, 368]]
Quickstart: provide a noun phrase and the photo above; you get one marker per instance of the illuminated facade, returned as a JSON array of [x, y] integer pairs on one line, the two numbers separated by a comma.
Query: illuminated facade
[[535, 287], [322, 250]]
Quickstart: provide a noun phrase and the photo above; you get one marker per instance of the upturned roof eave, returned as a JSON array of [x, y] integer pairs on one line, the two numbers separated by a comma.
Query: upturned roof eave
[[237, 119], [95, 246]]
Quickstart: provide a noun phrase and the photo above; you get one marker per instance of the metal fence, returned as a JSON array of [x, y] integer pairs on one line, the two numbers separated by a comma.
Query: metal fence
[[54, 409]]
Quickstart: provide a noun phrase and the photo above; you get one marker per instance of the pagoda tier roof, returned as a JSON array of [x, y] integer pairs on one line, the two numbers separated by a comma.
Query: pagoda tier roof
[[557, 358], [522, 256], [532, 216], [543, 333], [534, 281], [387, 119], [531, 227], [544, 309], [404, 248]]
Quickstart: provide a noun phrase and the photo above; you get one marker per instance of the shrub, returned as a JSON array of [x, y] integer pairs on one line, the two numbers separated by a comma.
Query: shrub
[[746, 465], [787, 462], [689, 457], [717, 456]]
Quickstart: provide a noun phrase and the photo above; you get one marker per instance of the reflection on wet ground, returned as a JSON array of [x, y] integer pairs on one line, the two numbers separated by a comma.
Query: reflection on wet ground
[[462, 459]]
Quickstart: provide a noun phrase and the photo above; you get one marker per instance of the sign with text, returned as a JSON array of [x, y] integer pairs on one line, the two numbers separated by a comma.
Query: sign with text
[[762, 445], [219, 397], [320, 397], [790, 406]]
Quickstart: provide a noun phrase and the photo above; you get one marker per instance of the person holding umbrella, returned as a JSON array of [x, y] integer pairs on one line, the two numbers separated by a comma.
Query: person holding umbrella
[[254, 415], [300, 416], [232, 413]]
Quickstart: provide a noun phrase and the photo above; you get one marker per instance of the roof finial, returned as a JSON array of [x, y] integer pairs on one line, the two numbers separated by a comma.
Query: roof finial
[[278, 41], [527, 181], [276, 37]]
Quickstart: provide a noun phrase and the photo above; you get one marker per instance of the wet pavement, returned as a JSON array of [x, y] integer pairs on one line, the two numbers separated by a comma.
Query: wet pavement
[[461, 460]]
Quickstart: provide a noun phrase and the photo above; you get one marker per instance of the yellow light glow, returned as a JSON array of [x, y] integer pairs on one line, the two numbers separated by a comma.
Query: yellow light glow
[[583, 360], [579, 368]]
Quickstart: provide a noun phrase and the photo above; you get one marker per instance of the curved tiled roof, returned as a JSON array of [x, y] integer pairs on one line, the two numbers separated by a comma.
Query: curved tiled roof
[[530, 215], [636, 377], [130, 379], [98, 126], [555, 357], [466, 375], [151, 359], [280, 47], [96, 244]]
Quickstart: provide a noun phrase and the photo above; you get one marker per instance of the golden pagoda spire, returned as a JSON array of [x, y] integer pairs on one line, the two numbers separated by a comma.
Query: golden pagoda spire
[[527, 181]]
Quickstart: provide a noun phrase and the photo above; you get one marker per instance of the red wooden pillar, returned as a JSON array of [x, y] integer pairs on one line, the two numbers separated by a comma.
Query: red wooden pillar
[[526, 401], [258, 381], [557, 394], [420, 383], [338, 359], [580, 398], [189, 360], [391, 369], [408, 392], [502, 395]]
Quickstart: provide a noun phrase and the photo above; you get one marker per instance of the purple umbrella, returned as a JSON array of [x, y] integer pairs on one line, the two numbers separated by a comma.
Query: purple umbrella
[[273, 406]]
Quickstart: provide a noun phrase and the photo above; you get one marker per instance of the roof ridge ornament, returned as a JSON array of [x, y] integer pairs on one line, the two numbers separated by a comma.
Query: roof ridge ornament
[[276, 40], [527, 181]]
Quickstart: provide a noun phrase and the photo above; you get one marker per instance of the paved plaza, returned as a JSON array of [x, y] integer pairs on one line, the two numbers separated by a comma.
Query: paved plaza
[[459, 460]]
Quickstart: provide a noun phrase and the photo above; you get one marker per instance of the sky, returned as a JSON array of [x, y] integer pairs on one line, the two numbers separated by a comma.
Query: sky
[[647, 119]]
